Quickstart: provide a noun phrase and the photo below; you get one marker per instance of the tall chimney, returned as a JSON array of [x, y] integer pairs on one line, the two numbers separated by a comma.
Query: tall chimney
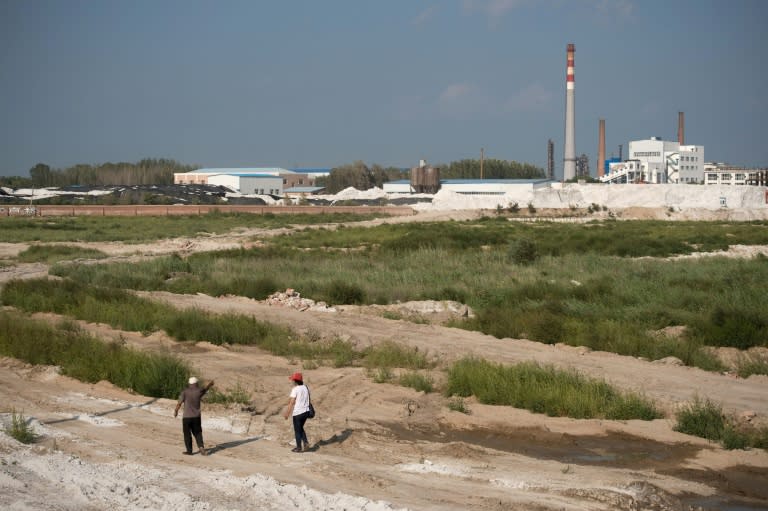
[[681, 128], [569, 153], [601, 149]]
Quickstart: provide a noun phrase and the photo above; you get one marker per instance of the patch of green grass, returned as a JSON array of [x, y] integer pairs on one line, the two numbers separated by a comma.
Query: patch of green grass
[[390, 354], [418, 381], [89, 359], [457, 404], [139, 229], [20, 429], [381, 374], [234, 395], [747, 366], [50, 254], [705, 419], [126, 311], [544, 389]]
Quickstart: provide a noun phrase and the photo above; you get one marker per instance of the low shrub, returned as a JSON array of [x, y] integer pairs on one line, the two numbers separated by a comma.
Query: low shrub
[[705, 419], [523, 251], [343, 293]]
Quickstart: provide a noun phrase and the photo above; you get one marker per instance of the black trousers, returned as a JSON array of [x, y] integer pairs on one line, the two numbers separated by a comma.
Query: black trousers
[[192, 426], [298, 428]]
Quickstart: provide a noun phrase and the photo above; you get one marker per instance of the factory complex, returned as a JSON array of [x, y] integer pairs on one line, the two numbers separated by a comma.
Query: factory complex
[[650, 161]]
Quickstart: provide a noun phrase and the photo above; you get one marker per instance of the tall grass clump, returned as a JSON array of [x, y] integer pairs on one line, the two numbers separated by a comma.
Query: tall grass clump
[[50, 254], [705, 419], [390, 354], [89, 359], [20, 429], [544, 389], [417, 381]]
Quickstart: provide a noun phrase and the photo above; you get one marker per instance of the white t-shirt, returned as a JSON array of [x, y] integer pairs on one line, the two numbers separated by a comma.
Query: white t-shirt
[[301, 394]]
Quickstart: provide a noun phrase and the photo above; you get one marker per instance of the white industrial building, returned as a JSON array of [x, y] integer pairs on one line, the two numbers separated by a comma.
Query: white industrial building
[[724, 174], [250, 181], [658, 161]]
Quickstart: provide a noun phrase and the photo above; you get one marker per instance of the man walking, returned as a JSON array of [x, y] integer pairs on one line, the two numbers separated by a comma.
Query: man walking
[[191, 421]]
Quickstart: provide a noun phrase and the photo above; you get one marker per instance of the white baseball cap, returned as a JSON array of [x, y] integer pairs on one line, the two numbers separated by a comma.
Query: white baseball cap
[[192, 380]]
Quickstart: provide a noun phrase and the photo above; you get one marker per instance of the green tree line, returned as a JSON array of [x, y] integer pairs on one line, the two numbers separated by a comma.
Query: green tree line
[[159, 171], [149, 171], [491, 169], [362, 177]]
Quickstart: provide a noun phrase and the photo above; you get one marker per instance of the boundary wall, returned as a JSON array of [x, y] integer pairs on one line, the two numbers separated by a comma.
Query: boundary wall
[[190, 210]]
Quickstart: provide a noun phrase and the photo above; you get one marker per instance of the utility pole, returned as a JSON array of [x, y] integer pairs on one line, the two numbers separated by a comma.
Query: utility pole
[[482, 151]]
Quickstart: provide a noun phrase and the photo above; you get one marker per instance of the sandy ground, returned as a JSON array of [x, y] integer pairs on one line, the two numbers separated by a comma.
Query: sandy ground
[[375, 446]]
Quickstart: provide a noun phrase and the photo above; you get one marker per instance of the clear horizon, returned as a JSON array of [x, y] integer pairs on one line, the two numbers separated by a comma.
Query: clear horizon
[[322, 84]]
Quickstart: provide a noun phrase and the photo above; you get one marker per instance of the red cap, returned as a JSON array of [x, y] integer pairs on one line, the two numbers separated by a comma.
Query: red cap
[[296, 377]]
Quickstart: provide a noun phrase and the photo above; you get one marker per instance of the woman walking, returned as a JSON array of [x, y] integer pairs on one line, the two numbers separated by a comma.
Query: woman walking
[[298, 408]]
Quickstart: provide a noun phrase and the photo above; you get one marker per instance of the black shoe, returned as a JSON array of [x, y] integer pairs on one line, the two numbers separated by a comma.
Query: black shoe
[[188, 453], [295, 449]]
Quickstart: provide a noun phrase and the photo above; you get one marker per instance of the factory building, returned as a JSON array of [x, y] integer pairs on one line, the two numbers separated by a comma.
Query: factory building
[[248, 181], [658, 161], [724, 174]]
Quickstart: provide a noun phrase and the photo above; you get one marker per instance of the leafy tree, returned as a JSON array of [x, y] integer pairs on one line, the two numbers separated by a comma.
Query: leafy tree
[[41, 175], [492, 169]]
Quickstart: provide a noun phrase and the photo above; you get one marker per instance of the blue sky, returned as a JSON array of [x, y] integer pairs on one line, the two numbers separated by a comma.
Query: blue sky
[[323, 83]]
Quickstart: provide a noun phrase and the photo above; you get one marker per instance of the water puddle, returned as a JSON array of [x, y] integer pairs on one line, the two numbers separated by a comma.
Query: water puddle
[[614, 450]]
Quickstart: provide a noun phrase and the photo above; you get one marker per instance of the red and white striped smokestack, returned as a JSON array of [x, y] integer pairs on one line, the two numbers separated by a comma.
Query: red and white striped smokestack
[[681, 128], [601, 149], [569, 154]]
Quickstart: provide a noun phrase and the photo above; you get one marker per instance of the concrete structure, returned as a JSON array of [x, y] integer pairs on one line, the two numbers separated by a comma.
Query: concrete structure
[[681, 128], [724, 174], [569, 152], [659, 161], [601, 149], [486, 187], [303, 191], [248, 183]]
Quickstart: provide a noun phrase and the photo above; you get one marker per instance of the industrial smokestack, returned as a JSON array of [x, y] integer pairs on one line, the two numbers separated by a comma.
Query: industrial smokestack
[[681, 128], [569, 153], [601, 149]]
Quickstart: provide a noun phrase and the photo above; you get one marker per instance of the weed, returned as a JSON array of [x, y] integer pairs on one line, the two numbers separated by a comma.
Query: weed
[[382, 375], [237, 394], [390, 354], [20, 429], [457, 405], [418, 381], [747, 366]]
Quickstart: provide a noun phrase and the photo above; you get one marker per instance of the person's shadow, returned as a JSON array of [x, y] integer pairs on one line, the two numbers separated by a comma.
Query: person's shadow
[[230, 445], [335, 439]]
